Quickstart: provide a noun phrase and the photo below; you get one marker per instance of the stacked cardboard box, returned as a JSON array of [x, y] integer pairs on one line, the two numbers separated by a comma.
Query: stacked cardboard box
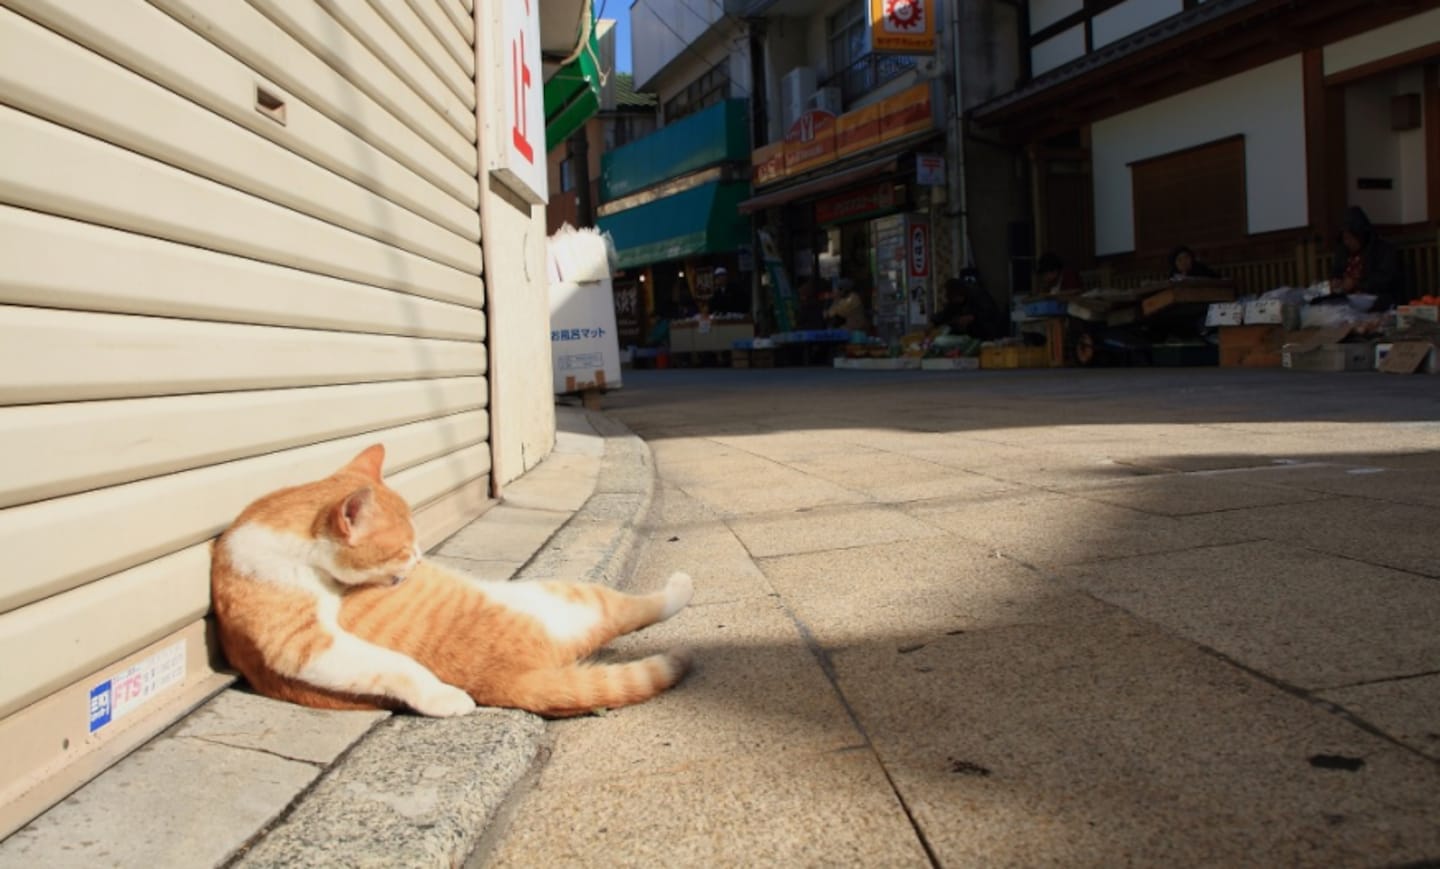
[[1256, 346]]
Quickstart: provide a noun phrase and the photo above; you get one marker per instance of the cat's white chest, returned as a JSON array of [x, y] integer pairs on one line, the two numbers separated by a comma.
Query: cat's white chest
[[563, 620]]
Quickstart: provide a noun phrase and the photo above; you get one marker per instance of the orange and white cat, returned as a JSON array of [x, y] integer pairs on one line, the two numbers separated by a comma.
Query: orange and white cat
[[322, 598]]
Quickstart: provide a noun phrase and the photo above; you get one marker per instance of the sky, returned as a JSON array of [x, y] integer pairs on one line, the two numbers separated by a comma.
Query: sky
[[619, 10]]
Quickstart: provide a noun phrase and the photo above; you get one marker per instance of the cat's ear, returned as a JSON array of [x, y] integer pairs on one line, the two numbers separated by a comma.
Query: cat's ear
[[353, 515], [369, 462]]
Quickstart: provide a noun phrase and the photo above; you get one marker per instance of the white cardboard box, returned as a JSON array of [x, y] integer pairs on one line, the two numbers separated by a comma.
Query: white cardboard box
[[584, 347], [1225, 314], [1271, 312]]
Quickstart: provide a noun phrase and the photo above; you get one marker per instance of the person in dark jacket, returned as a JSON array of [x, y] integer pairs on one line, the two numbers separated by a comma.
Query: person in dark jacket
[[1056, 277], [969, 309], [1183, 264], [1366, 263]]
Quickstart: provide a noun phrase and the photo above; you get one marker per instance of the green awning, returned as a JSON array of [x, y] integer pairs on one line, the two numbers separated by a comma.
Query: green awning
[[703, 219], [572, 95]]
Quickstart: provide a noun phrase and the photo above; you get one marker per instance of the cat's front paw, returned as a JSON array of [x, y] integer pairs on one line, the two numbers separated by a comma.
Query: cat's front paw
[[444, 701], [678, 592]]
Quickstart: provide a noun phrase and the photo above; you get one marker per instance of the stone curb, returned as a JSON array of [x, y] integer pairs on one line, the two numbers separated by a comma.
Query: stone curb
[[424, 792]]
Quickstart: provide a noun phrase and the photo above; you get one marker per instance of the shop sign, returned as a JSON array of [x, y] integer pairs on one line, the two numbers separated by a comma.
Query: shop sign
[[856, 203], [518, 134], [918, 241], [768, 164], [905, 113], [855, 131], [902, 26], [819, 137], [929, 170], [810, 141]]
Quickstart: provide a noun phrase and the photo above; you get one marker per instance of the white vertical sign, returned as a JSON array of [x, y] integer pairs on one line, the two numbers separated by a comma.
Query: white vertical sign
[[517, 146]]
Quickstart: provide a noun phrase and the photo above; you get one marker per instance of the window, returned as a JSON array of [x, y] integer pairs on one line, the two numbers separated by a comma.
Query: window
[[853, 68], [702, 93], [1195, 196], [567, 174]]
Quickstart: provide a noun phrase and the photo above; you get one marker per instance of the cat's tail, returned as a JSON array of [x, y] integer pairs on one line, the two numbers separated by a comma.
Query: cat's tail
[[583, 688]]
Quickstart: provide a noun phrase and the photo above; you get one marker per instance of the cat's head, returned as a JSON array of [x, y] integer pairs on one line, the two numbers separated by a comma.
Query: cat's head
[[371, 535]]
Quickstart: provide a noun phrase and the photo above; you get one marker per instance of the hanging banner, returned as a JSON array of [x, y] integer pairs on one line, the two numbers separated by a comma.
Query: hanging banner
[[781, 292], [902, 26]]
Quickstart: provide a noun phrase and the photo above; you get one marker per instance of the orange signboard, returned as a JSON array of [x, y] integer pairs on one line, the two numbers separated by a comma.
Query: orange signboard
[[819, 137], [810, 141], [855, 131], [902, 26], [905, 113], [768, 164]]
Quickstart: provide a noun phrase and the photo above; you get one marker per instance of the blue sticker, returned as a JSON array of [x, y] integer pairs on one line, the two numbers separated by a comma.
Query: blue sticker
[[100, 706]]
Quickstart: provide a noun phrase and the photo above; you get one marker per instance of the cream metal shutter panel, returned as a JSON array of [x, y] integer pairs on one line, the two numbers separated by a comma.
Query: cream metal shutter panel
[[238, 243]]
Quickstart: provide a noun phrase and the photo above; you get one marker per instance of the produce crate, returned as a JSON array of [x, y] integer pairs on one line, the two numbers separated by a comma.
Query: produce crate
[[1014, 357], [764, 358]]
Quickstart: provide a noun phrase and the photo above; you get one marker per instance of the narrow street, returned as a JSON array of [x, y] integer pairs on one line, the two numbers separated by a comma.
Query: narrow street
[[1074, 618]]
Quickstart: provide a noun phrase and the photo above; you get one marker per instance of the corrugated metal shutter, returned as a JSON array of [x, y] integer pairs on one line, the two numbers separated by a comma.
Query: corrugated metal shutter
[[238, 243]]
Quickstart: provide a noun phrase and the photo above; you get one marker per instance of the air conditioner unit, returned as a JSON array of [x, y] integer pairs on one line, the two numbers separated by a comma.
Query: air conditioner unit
[[795, 89], [827, 99]]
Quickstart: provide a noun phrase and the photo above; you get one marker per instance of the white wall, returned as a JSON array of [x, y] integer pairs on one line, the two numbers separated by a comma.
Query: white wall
[[660, 30], [1059, 49], [1044, 13], [1265, 104], [1382, 42], [1373, 150], [1128, 17]]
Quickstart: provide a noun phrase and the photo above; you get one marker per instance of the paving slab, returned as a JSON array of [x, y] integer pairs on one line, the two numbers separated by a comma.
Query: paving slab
[[1306, 618], [890, 478], [910, 592], [1104, 742], [755, 690], [240, 719], [827, 528], [1415, 486], [782, 809], [174, 802], [1379, 532], [1191, 494], [1050, 528], [1406, 709], [508, 534], [562, 483]]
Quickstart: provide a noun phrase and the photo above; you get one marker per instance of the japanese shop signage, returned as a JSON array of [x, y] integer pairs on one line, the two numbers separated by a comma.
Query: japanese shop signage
[[517, 144], [810, 141], [919, 250], [860, 202], [902, 26], [817, 137]]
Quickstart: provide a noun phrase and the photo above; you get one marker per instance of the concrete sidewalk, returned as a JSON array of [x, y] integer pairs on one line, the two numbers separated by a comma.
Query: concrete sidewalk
[[1070, 618], [247, 781]]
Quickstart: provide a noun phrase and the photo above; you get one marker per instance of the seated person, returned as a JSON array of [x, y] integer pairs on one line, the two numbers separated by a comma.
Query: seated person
[[1055, 277], [969, 309], [1365, 263], [1183, 264], [848, 309]]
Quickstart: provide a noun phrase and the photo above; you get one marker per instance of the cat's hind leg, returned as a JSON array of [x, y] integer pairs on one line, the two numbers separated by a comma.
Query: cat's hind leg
[[622, 613]]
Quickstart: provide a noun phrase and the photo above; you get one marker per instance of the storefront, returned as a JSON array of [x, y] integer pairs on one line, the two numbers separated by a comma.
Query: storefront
[[849, 200], [671, 208]]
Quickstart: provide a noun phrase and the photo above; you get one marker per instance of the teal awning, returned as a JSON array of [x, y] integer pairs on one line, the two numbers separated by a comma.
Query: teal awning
[[572, 95], [719, 134], [703, 219]]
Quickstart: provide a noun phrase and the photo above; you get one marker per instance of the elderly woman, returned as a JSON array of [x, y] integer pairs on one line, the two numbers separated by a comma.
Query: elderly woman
[[1365, 263], [1183, 264]]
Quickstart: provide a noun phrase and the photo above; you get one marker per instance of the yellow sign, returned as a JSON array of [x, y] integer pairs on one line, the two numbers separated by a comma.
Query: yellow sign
[[818, 137], [902, 26]]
